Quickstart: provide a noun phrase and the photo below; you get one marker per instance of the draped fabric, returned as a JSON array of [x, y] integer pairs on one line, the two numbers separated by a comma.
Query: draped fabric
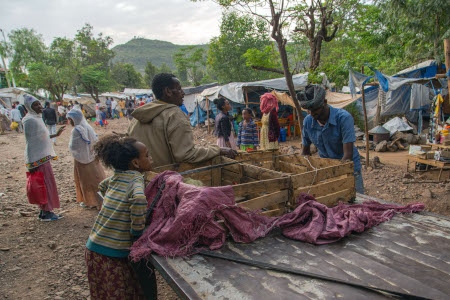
[[38, 143], [82, 139], [268, 103], [186, 218]]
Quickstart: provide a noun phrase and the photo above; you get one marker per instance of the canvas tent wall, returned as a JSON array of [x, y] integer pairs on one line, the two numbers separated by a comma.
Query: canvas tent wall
[[191, 95], [138, 93], [400, 94], [11, 95]]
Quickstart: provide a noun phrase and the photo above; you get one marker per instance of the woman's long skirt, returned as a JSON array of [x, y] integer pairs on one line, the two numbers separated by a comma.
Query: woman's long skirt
[[87, 178], [50, 186]]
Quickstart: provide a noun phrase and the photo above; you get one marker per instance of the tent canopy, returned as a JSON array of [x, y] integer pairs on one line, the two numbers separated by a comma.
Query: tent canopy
[[234, 91]]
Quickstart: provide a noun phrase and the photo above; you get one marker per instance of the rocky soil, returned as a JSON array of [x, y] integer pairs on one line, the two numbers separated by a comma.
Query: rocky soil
[[40, 260]]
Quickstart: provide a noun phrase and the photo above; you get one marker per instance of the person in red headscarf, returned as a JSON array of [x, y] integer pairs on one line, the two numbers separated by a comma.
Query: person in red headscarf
[[270, 130]]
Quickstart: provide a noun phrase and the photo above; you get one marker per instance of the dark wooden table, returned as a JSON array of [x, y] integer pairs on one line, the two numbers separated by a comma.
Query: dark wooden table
[[409, 254]]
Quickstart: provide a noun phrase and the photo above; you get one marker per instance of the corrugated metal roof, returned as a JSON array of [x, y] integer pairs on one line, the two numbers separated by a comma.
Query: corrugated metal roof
[[409, 254]]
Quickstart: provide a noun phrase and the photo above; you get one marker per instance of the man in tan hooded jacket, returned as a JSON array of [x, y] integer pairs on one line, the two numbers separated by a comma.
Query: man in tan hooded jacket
[[165, 129]]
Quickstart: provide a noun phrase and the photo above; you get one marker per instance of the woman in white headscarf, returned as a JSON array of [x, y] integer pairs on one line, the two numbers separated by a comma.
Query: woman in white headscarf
[[88, 172], [38, 154]]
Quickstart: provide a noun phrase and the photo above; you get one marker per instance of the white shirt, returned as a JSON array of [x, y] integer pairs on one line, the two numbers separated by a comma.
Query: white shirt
[[61, 109], [15, 115], [114, 104]]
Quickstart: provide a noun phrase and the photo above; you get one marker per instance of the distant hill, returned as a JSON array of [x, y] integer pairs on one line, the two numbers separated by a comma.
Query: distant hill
[[139, 51]]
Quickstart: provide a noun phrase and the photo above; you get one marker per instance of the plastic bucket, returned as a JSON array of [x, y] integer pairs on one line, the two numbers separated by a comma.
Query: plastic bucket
[[283, 134]]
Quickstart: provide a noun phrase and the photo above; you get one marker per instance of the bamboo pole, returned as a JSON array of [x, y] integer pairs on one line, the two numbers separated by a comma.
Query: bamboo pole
[[366, 129]]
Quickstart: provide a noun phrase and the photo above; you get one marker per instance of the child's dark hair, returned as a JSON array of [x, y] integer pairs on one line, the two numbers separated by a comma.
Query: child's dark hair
[[116, 152], [249, 110], [220, 103]]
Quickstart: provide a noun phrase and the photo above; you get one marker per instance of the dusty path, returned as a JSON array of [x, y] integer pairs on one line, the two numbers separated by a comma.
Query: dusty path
[[41, 260], [45, 260]]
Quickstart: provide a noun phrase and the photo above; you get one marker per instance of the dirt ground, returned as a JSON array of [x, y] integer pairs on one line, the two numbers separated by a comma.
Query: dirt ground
[[40, 260]]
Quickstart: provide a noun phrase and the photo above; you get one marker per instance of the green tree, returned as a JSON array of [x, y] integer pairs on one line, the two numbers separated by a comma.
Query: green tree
[[318, 21], [420, 26], [94, 57], [238, 33], [95, 79], [150, 72], [55, 71], [126, 76], [164, 68], [191, 64], [26, 47]]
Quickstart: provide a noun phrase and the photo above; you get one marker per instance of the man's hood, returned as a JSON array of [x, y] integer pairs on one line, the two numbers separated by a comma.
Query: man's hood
[[149, 111]]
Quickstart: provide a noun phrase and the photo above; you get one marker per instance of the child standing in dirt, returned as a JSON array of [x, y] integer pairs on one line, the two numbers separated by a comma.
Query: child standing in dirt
[[247, 132], [120, 222]]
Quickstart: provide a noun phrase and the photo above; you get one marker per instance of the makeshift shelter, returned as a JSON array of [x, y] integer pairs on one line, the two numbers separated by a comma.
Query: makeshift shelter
[[191, 95], [11, 95], [138, 93], [409, 92]]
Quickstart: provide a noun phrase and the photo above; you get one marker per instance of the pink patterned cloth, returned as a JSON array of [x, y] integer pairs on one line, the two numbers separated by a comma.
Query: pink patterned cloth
[[185, 219], [268, 102]]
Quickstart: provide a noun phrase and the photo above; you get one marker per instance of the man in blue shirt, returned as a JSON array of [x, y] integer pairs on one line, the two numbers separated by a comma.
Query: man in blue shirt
[[330, 129]]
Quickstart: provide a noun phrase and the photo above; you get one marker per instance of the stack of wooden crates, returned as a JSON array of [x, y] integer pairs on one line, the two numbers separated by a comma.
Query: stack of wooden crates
[[271, 182]]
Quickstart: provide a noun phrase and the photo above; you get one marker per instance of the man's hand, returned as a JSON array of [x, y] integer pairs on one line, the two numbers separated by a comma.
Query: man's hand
[[228, 152]]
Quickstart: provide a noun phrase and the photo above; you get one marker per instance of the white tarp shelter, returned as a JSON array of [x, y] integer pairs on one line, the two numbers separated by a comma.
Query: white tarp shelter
[[234, 91], [135, 92]]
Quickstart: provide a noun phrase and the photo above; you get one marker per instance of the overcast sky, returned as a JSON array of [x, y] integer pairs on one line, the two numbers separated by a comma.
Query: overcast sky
[[178, 21]]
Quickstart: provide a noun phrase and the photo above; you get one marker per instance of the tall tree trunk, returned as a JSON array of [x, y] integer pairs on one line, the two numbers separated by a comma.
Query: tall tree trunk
[[277, 35]]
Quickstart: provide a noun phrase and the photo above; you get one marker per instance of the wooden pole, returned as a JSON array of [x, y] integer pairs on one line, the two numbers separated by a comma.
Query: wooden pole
[[198, 115], [246, 99], [207, 112], [447, 58], [366, 129]]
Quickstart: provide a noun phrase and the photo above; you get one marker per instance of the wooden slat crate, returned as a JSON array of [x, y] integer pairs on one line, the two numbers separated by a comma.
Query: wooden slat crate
[[271, 182]]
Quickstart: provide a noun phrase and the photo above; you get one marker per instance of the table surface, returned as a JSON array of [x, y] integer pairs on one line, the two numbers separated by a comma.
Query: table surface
[[430, 162], [409, 254]]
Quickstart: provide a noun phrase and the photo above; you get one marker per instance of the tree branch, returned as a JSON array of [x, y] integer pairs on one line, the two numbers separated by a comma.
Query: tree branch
[[261, 68]]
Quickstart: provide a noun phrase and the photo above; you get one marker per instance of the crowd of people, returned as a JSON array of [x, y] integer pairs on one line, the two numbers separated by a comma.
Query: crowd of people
[[159, 134]]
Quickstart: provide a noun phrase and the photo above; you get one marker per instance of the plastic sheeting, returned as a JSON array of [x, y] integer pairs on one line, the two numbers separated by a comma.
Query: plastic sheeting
[[420, 96], [198, 116], [397, 124], [234, 91]]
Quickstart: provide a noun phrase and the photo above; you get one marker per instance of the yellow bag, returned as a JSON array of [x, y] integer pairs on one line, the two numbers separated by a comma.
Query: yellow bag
[[14, 125], [121, 114]]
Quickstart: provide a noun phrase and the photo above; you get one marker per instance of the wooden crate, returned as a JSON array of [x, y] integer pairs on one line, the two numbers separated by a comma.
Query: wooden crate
[[271, 182], [328, 180]]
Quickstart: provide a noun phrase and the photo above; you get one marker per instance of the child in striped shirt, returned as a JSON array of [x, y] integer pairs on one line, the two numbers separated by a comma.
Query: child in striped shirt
[[120, 221], [247, 132]]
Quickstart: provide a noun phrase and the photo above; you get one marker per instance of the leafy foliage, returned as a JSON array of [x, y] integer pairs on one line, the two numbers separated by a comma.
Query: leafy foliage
[[150, 72], [125, 75], [26, 47], [191, 64], [94, 55], [55, 70], [238, 33]]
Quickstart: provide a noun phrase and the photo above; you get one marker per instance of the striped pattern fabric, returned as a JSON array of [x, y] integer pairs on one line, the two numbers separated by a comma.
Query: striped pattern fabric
[[247, 135], [122, 217]]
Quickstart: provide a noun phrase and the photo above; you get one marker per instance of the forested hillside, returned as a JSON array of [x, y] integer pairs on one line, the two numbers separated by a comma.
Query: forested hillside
[[139, 51]]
